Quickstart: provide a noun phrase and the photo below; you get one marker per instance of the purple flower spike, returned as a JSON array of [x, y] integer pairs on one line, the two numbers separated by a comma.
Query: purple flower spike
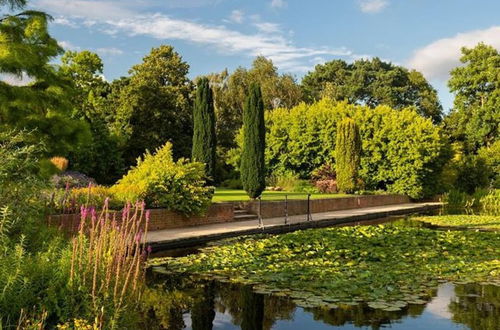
[[148, 215], [84, 212], [150, 249], [138, 236]]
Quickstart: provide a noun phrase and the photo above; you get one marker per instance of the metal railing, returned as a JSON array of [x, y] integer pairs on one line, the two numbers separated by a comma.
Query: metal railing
[[286, 215]]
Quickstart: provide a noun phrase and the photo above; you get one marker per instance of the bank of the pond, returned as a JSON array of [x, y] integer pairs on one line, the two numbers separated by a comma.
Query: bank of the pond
[[463, 221], [388, 266]]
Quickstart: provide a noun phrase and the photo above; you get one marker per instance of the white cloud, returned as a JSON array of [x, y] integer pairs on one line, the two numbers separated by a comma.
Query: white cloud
[[267, 27], [64, 21], [68, 46], [237, 16], [437, 59], [373, 6], [278, 3], [109, 51], [113, 18]]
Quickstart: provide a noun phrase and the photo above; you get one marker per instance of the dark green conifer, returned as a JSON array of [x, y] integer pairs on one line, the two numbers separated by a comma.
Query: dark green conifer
[[204, 139], [253, 167]]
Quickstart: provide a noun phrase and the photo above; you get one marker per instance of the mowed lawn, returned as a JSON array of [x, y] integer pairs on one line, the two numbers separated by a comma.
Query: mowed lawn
[[231, 195]]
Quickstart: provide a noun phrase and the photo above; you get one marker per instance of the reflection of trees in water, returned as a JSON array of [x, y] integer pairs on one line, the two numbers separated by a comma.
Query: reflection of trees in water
[[477, 306], [165, 303], [253, 311], [202, 312], [361, 315]]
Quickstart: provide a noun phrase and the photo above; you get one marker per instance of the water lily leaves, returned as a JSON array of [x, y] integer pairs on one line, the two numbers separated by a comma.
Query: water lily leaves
[[387, 266]]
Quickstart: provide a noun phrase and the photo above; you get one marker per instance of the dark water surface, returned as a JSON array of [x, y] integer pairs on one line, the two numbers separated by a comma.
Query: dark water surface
[[187, 302], [198, 304]]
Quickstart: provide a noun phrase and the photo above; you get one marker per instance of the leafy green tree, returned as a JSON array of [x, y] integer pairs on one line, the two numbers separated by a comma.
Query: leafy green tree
[[253, 167], [41, 102], [278, 90], [204, 139], [475, 116], [154, 105], [101, 158], [347, 155], [373, 82], [402, 152]]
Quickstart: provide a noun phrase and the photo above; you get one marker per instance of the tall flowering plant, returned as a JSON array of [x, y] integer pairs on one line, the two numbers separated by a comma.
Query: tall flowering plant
[[108, 262]]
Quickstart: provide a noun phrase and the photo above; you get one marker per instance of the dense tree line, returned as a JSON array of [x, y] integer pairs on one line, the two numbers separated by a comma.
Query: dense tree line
[[103, 127]]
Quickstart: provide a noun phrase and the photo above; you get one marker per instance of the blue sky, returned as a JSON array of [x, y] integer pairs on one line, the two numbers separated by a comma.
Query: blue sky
[[296, 34]]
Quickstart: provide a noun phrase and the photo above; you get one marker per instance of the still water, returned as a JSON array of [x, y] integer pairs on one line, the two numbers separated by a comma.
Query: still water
[[188, 303]]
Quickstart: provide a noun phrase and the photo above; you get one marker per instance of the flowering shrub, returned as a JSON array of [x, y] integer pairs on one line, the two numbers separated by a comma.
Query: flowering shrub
[[72, 179], [161, 182]]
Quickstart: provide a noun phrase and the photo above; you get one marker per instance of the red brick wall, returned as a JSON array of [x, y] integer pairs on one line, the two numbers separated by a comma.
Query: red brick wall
[[272, 209], [159, 218]]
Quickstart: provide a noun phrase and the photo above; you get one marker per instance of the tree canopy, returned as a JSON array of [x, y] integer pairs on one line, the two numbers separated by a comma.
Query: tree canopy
[[154, 105], [372, 83], [475, 116], [38, 97], [278, 90]]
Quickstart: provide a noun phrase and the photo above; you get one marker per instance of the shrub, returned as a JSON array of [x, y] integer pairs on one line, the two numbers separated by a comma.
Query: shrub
[[60, 162], [326, 186], [161, 182], [347, 155], [232, 184], [491, 156], [72, 179], [490, 203], [473, 173], [401, 151], [324, 179]]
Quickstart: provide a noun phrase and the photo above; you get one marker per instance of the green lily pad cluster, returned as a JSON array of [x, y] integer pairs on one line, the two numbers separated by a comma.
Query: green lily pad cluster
[[387, 267], [488, 222]]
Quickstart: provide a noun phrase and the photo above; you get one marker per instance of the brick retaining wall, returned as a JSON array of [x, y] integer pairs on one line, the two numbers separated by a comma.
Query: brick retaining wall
[[159, 219], [224, 212], [273, 209]]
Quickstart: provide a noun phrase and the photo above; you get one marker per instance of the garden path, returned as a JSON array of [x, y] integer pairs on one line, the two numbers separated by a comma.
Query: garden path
[[196, 235]]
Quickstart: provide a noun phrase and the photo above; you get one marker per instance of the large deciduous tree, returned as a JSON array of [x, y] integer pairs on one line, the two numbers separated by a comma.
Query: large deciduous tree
[[347, 155], [34, 95], [373, 82], [253, 167], [475, 116], [278, 90], [204, 139], [101, 158], [154, 105]]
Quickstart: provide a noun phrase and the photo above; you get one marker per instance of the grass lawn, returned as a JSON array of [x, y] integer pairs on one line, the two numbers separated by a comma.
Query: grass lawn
[[465, 221], [231, 195]]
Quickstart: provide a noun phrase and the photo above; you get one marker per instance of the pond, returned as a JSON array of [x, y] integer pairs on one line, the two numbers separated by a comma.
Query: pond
[[198, 304], [181, 301]]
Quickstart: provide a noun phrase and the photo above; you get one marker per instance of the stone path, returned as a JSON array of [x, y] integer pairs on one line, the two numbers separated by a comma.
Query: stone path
[[191, 236]]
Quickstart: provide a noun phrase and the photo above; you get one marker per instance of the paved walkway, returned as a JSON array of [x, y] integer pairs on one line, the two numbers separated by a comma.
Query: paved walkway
[[191, 236]]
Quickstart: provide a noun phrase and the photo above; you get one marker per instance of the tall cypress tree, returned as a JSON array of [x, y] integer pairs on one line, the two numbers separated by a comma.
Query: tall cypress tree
[[347, 155], [253, 167], [204, 139]]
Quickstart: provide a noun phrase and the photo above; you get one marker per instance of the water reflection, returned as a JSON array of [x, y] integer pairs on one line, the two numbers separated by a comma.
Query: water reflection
[[186, 303]]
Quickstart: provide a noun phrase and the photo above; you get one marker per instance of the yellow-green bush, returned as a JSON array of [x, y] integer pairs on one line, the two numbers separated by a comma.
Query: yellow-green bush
[[162, 182], [402, 152]]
